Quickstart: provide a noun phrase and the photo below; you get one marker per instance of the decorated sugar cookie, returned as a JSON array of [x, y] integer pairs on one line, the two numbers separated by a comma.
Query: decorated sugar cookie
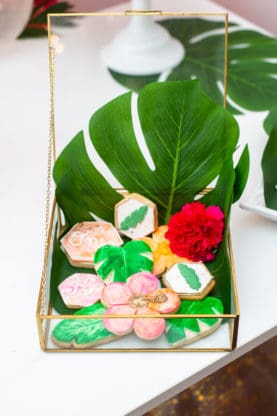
[[116, 264], [81, 289], [189, 280], [85, 238], [139, 296], [162, 255], [136, 216], [149, 328], [83, 333], [164, 301], [184, 331]]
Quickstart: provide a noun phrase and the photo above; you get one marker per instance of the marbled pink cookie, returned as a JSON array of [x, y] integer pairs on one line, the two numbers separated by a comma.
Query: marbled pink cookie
[[171, 304], [85, 238], [116, 293], [149, 328], [143, 282], [119, 326], [81, 289]]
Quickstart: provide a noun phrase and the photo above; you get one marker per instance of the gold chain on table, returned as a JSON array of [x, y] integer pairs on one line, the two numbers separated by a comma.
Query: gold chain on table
[[51, 157]]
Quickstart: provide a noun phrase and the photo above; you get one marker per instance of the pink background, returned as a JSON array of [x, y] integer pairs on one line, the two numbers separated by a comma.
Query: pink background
[[261, 12], [92, 5]]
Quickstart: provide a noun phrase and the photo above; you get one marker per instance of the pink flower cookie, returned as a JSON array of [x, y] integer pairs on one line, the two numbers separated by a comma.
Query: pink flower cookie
[[85, 238], [140, 295], [81, 289]]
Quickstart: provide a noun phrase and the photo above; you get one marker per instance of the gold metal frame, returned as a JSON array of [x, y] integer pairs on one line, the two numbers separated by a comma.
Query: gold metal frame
[[44, 309]]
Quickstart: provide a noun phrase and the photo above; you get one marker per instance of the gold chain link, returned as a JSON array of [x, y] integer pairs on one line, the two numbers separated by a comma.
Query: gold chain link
[[50, 159]]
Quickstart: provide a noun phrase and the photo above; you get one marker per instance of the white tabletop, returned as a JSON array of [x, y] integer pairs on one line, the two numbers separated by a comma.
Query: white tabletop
[[37, 383]]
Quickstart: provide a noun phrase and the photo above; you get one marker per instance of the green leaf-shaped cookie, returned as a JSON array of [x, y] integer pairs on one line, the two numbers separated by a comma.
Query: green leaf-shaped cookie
[[183, 331], [83, 333], [118, 263]]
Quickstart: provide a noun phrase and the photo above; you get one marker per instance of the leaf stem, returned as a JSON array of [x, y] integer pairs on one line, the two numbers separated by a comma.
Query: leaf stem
[[175, 167]]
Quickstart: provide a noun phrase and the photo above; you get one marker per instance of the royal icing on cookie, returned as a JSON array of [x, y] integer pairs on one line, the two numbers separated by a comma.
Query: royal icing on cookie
[[189, 280], [136, 216], [119, 326], [81, 289], [170, 303], [116, 264], [149, 328], [116, 294], [85, 238], [83, 333], [134, 298], [183, 331], [143, 283], [162, 255]]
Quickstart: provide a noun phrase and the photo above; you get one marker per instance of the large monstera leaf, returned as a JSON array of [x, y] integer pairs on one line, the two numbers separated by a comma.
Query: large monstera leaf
[[252, 71], [81, 189], [191, 140], [187, 134]]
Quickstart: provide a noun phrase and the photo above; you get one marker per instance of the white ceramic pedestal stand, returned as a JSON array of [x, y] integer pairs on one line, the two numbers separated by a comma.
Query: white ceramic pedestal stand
[[143, 47]]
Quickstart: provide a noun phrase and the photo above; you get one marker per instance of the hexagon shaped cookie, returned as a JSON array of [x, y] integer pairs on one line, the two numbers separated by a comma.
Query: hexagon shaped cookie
[[81, 289], [189, 280], [136, 216], [85, 238]]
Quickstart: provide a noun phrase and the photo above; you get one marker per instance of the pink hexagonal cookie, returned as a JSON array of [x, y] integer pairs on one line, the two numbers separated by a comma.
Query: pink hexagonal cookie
[[85, 238], [81, 289]]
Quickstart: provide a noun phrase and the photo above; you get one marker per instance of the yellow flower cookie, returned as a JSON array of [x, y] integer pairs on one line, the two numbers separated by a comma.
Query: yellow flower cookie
[[162, 254]]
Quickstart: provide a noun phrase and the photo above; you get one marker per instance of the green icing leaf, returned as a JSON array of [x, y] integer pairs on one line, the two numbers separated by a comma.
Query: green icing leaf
[[174, 332], [82, 333], [121, 262], [190, 276], [176, 327], [254, 90], [269, 166], [135, 218]]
